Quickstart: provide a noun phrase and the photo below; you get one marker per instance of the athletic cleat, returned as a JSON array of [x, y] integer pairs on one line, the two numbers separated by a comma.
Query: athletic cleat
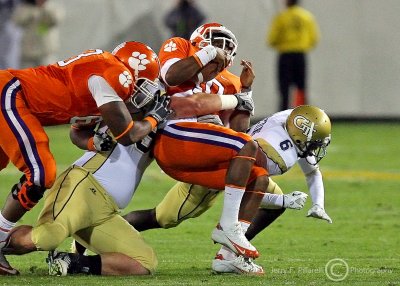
[[234, 239], [5, 267], [58, 263], [238, 265]]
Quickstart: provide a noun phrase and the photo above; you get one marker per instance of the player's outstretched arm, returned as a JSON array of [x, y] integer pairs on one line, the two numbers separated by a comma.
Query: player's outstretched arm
[[126, 131]]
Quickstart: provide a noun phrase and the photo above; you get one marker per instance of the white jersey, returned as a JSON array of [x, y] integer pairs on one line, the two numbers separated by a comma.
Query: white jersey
[[120, 170], [282, 153]]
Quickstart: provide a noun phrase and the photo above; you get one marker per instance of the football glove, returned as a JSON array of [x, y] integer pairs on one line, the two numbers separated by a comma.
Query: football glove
[[102, 142], [295, 200], [245, 102], [158, 109], [317, 211]]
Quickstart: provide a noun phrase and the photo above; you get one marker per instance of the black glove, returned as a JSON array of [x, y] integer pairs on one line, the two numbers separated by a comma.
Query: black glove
[[102, 142], [158, 108], [245, 102]]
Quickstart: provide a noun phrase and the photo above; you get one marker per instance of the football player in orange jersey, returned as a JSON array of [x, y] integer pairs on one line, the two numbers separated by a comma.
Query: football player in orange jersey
[[80, 90], [226, 160]]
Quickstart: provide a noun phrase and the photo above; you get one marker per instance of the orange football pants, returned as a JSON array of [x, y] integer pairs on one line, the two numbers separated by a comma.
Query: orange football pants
[[200, 153], [23, 139]]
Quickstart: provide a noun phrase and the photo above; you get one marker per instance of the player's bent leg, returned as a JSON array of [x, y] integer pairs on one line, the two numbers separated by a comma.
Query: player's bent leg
[[142, 220], [20, 241], [264, 217], [252, 198], [232, 235], [116, 235], [184, 201], [121, 264]]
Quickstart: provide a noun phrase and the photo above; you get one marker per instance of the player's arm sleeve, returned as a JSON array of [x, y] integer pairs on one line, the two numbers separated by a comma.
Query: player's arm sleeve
[[314, 182], [102, 91]]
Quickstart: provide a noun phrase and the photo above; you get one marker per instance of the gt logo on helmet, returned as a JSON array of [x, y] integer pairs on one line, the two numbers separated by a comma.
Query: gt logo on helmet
[[304, 125]]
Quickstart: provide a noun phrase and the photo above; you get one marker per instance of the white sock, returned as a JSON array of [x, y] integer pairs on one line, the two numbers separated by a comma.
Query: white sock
[[5, 227], [272, 201], [230, 210], [245, 225]]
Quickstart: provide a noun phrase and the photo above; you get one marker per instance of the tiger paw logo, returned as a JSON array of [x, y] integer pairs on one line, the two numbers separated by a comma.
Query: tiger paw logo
[[138, 62], [170, 47], [125, 79]]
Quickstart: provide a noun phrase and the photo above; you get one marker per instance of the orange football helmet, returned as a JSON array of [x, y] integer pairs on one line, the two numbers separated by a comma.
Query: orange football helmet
[[144, 65], [217, 35]]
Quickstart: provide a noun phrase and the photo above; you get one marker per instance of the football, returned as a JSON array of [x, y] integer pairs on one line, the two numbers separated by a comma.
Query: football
[[210, 70]]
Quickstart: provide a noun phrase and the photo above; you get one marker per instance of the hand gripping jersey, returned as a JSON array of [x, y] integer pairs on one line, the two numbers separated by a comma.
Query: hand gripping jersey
[[59, 93]]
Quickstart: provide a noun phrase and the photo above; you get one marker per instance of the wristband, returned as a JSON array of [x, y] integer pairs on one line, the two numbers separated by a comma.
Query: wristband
[[206, 54], [90, 144], [228, 101], [152, 121]]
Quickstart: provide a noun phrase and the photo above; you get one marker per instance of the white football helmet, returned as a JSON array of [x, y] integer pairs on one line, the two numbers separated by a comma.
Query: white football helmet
[[217, 35]]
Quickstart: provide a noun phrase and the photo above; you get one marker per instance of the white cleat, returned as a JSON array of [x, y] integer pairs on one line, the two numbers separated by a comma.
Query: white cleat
[[295, 200], [234, 239], [238, 265], [58, 263]]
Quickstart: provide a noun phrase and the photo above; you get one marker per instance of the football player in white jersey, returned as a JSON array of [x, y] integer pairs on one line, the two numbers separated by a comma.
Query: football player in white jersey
[[300, 135]]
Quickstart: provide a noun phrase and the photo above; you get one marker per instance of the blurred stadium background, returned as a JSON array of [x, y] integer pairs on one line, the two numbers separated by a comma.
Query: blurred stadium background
[[353, 71]]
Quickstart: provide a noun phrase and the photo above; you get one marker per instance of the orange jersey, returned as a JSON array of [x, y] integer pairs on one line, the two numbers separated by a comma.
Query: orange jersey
[[59, 93], [178, 48]]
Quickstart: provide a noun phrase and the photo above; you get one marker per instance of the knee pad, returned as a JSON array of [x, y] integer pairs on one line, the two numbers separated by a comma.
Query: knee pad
[[26, 193]]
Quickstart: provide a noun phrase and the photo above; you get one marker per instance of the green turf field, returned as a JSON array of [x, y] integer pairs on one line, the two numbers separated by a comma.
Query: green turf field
[[361, 247]]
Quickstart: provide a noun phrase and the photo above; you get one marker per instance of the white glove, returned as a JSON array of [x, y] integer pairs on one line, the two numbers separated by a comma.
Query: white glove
[[317, 211], [245, 102], [295, 200], [102, 142]]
